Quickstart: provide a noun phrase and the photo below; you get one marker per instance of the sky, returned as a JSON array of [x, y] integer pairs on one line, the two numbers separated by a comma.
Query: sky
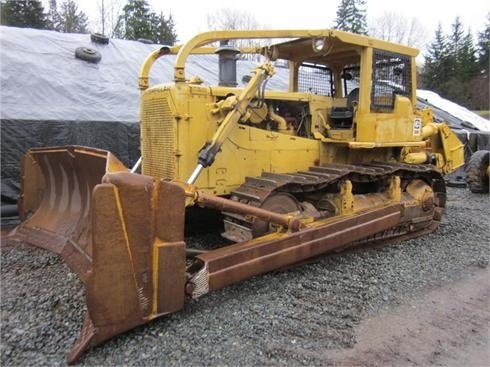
[[190, 16]]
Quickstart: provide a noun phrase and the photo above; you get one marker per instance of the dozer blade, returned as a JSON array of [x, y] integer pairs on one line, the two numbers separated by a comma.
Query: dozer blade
[[138, 256], [122, 233], [54, 204]]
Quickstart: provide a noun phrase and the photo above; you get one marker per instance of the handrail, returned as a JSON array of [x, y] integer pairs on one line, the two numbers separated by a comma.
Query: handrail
[[196, 46], [213, 36], [143, 82]]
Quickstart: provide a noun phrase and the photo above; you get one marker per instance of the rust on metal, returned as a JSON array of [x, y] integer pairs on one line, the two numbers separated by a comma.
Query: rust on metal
[[122, 233], [226, 205], [55, 202], [237, 262], [138, 237]]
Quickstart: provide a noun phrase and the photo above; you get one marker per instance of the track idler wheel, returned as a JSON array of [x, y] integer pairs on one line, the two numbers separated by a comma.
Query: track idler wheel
[[279, 202]]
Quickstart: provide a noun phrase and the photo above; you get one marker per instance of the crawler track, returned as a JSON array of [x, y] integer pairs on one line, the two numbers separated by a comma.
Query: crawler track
[[310, 185]]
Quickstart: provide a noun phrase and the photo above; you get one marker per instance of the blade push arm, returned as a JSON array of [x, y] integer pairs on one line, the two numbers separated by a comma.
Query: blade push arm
[[239, 108]]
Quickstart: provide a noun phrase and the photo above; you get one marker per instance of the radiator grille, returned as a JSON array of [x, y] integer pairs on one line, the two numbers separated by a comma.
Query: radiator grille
[[158, 137]]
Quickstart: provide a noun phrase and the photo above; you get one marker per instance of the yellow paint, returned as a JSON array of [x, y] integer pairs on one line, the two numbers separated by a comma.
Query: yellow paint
[[395, 190], [154, 306], [415, 158], [179, 118], [347, 198], [125, 232]]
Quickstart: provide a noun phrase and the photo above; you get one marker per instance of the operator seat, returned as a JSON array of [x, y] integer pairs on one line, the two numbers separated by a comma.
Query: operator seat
[[341, 117], [353, 97]]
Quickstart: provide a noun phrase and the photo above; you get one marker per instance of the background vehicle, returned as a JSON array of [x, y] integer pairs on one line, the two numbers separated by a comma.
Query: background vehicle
[[339, 159]]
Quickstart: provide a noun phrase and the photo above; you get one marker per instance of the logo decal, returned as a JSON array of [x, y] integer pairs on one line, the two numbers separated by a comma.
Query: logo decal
[[417, 127]]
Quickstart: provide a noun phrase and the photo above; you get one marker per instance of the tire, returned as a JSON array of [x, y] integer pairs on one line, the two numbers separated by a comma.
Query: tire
[[99, 38], [146, 41], [88, 54], [477, 171]]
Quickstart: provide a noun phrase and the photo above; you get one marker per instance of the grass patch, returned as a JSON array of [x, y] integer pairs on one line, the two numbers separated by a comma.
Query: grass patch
[[483, 113]]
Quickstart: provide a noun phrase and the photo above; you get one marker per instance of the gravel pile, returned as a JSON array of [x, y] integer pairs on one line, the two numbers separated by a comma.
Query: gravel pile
[[276, 319]]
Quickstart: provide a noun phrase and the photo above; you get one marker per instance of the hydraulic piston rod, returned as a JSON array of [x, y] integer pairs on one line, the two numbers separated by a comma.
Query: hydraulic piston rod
[[240, 105]]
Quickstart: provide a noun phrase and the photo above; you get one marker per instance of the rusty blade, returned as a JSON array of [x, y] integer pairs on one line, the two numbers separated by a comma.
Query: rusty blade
[[231, 264], [138, 268], [122, 233], [57, 186]]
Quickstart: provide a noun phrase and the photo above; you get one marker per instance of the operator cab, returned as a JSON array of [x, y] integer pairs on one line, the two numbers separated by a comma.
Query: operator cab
[[367, 84]]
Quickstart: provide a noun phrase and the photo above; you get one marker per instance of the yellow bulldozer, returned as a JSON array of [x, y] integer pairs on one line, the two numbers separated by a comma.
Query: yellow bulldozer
[[342, 157]]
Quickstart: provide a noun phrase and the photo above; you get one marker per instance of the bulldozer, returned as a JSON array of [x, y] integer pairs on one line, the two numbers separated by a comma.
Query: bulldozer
[[341, 157]]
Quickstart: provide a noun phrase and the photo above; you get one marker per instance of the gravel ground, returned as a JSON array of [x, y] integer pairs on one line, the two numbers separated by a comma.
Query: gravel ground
[[268, 320]]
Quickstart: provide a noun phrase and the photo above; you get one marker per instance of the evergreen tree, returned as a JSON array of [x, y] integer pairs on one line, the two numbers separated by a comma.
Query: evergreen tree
[[437, 63], [455, 45], [484, 47], [71, 19], [466, 58], [462, 54], [451, 65], [23, 13], [480, 85], [165, 30], [138, 20], [351, 16]]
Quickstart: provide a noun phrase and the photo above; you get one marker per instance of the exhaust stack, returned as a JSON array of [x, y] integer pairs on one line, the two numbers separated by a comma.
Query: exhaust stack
[[227, 64]]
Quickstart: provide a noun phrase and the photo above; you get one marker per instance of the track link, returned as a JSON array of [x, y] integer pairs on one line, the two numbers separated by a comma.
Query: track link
[[318, 180]]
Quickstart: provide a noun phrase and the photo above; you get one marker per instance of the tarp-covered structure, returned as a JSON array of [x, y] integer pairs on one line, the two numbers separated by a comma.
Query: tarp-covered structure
[[50, 97]]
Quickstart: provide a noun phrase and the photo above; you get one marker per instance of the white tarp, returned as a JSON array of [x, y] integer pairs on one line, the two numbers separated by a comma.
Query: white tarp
[[454, 109], [42, 79]]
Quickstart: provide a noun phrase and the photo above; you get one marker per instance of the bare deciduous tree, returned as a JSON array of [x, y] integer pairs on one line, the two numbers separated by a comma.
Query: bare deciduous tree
[[233, 19], [395, 27], [108, 20]]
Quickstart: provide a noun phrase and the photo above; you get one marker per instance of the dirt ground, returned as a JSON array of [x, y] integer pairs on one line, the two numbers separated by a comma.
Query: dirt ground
[[449, 326]]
